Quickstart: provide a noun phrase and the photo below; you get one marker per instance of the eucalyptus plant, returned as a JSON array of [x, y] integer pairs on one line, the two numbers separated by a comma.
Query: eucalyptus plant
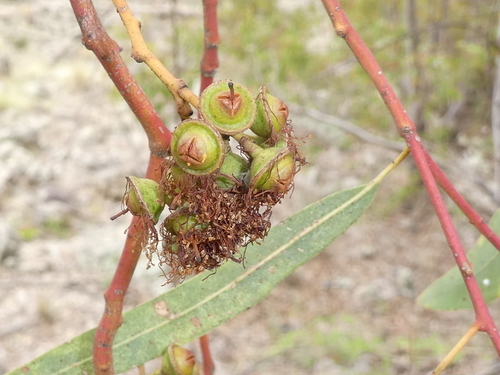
[[219, 198]]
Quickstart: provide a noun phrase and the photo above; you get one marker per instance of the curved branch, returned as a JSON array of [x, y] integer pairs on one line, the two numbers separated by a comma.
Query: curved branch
[[183, 96], [367, 60], [474, 218], [107, 51], [406, 129]]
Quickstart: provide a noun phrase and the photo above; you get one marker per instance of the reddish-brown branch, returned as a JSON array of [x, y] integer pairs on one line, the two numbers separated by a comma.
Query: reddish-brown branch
[[107, 51], [112, 319], [114, 296], [345, 30], [406, 128], [208, 363], [208, 68], [474, 218], [210, 61], [483, 317]]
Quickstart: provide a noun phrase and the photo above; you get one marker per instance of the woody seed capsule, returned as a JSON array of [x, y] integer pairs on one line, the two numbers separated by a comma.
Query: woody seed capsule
[[197, 147]]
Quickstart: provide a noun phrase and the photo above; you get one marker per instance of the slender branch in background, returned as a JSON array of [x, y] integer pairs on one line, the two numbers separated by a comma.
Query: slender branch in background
[[175, 42], [208, 69], [495, 123], [210, 60], [415, 77], [107, 51], [406, 129], [456, 349], [344, 125], [183, 96], [325, 133], [474, 218]]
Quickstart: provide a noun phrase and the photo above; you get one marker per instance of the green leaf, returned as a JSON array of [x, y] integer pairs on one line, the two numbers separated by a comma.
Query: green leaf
[[449, 291], [198, 306]]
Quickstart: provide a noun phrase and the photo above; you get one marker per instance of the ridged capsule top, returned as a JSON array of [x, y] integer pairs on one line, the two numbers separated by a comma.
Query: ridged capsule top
[[228, 106], [197, 147]]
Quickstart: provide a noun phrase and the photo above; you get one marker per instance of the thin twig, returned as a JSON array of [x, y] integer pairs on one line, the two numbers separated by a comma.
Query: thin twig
[[406, 129], [456, 349], [141, 53], [495, 122], [346, 126], [208, 68], [474, 218]]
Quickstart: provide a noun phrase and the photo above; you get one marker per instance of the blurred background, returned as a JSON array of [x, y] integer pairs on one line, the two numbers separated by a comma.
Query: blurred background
[[67, 141]]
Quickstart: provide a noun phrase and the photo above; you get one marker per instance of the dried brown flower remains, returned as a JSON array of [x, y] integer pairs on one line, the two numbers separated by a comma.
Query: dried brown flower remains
[[219, 200]]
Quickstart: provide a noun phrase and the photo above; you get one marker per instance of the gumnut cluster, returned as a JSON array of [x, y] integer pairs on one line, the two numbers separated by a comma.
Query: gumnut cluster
[[225, 172], [179, 361]]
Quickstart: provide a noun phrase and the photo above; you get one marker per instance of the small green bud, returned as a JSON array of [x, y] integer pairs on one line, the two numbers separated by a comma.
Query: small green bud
[[181, 224], [179, 361], [197, 147], [228, 106], [234, 165], [178, 175], [272, 114], [142, 198]]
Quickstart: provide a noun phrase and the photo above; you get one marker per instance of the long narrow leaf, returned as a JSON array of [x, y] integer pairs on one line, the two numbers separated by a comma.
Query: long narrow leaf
[[198, 306]]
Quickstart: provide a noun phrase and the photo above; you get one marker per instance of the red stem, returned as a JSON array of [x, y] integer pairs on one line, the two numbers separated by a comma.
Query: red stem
[[368, 62], [406, 129], [114, 296], [107, 51], [208, 363], [210, 61], [483, 317], [208, 67], [474, 218]]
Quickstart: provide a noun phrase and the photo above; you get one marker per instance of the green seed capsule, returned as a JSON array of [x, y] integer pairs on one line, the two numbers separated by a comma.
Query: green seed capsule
[[179, 361], [142, 198], [272, 168], [181, 224], [197, 147], [228, 106], [234, 165], [272, 114]]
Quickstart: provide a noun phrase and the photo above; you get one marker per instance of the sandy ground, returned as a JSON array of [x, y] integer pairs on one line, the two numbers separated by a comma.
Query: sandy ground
[[66, 145]]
